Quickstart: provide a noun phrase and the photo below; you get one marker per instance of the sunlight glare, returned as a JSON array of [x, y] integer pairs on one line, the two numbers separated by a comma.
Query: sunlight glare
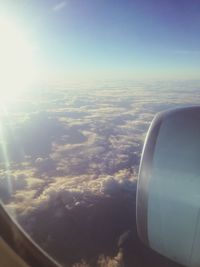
[[17, 60]]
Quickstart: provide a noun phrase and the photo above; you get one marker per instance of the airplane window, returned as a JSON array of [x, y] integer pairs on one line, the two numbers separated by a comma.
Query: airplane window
[[80, 82]]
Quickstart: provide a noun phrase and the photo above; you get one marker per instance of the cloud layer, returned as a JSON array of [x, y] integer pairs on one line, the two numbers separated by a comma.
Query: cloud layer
[[69, 161]]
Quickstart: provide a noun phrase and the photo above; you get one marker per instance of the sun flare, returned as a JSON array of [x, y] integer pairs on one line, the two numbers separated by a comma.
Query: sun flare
[[17, 60]]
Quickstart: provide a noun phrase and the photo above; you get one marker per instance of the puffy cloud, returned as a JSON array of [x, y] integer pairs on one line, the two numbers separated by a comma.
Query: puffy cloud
[[74, 157], [77, 208]]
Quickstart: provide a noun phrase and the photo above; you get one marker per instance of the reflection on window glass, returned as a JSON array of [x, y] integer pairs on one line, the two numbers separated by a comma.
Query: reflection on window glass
[[81, 82]]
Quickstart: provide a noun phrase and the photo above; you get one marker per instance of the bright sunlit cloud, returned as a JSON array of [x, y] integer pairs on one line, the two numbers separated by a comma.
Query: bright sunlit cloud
[[17, 60]]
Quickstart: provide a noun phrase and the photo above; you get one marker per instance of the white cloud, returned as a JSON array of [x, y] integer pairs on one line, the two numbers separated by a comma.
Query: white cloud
[[88, 171]]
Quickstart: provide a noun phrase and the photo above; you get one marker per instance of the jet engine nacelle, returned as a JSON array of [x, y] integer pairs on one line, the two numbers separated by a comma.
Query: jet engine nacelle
[[168, 193]]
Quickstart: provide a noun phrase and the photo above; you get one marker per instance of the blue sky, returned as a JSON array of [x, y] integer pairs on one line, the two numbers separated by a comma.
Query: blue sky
[[112, 38]]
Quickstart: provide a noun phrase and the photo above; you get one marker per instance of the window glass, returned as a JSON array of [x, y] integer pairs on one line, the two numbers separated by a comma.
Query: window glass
[[80, 82]]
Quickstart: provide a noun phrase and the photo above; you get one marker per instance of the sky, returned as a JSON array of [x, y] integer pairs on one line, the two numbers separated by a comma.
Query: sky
[[129, 39]]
